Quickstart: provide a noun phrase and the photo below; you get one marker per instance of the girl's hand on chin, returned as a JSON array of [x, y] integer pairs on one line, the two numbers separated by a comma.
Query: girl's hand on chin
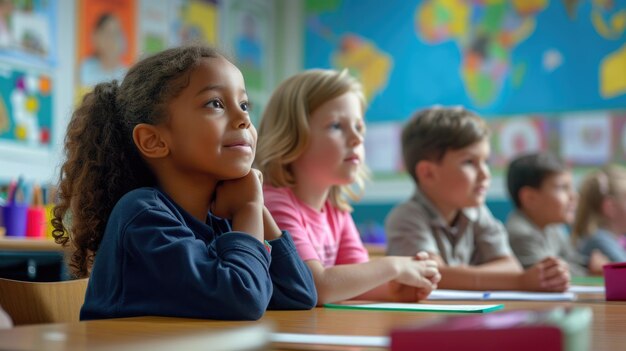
[[233, 195]]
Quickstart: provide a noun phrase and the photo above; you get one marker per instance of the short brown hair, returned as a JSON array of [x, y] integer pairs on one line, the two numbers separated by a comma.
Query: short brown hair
[[531, 170], [433, 131]]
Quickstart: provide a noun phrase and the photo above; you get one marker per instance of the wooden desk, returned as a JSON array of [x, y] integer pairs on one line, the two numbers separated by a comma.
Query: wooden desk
[[376, 250], [28, 244], [608, 328], [150, 334]]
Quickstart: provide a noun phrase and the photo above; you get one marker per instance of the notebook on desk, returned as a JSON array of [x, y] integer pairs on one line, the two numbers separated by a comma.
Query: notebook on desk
[[416, 307], [444, 294]]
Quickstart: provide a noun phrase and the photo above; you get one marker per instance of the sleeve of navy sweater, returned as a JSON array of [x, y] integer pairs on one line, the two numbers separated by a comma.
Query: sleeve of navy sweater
[[294, 288], [170, 271]]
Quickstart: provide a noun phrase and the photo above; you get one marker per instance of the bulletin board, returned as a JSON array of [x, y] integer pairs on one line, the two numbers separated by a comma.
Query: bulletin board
[[105, 41], [28, 32], [25, 107]]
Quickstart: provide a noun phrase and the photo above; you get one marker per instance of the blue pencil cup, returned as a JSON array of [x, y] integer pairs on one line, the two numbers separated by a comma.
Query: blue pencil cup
[[14, 217]]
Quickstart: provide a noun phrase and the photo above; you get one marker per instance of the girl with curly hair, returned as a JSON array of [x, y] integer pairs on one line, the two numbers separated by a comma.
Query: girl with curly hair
[[159, 202]]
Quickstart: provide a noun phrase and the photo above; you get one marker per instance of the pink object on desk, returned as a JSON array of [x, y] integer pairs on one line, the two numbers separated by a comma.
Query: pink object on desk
[[622, 241], [36, 222], [615, 281], [511, 330]]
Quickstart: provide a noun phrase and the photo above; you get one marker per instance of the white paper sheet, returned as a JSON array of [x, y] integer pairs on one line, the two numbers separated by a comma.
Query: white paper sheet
[[443, 294], [583, 289], [344, 340]]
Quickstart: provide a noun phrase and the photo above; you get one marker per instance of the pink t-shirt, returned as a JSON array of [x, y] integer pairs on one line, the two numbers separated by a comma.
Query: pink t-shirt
[[328, 236], [622, 241]]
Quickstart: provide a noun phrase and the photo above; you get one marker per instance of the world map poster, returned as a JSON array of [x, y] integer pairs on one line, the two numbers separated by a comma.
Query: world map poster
[[495, 57]]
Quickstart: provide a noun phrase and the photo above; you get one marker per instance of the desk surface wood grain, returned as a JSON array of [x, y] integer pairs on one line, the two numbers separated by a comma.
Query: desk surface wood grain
[[608, 328], [28, 244]]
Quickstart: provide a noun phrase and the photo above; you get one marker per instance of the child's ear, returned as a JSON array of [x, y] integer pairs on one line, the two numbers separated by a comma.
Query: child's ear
[[425, 171], [149, 141], [527, 196]]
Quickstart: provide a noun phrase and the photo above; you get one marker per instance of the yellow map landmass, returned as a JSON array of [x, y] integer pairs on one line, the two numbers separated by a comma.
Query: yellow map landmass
[[616, 24], [613, 74], [370, 65]]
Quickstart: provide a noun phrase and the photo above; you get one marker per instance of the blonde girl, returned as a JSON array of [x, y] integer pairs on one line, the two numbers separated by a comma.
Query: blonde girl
[[601, 216], [311, 154]]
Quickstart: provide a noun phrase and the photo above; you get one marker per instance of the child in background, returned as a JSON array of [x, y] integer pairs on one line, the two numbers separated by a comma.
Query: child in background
[[601, 216], [311, 152], [446, 151], [109, 45], [158, 193], [541, 188]]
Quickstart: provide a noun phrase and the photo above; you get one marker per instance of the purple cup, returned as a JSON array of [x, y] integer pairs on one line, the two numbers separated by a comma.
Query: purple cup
[[14, 217]]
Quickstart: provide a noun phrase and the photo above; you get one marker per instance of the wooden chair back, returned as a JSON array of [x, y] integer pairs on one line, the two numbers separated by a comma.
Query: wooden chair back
[[36, 302]]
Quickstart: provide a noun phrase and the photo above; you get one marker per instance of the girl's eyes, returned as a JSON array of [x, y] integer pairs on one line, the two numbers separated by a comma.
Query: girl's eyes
[[245, 106], [215, 104], [337, 126]]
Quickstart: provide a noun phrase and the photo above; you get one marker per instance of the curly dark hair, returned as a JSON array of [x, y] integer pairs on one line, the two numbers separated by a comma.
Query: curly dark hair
[[102, 162]]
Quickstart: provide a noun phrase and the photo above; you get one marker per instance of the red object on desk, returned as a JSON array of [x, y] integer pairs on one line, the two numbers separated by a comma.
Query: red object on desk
[[615, 281], [511, 331]]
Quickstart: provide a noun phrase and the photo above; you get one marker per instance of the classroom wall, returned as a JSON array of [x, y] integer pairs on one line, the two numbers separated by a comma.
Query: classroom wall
[[563, 101], [281, 56], [40, 163]]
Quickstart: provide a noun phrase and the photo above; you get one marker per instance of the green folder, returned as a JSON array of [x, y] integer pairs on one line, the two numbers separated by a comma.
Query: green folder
[[592, 280], [417, 307]]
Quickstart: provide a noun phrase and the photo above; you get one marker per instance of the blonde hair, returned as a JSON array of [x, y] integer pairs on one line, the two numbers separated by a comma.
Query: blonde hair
[[284, 130], [597, 186]]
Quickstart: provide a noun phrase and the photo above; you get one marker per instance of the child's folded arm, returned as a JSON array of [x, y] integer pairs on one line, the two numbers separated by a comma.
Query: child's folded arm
[[371, 280], [350, 281], [503, 273], [227, 279], [294, 288]]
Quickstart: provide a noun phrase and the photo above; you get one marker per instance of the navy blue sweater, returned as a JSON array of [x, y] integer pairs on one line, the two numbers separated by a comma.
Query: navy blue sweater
[[157, 259]]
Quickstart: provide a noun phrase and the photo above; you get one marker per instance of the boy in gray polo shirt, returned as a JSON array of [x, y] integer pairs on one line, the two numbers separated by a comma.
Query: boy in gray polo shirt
[[542, 190], [445, 151]]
